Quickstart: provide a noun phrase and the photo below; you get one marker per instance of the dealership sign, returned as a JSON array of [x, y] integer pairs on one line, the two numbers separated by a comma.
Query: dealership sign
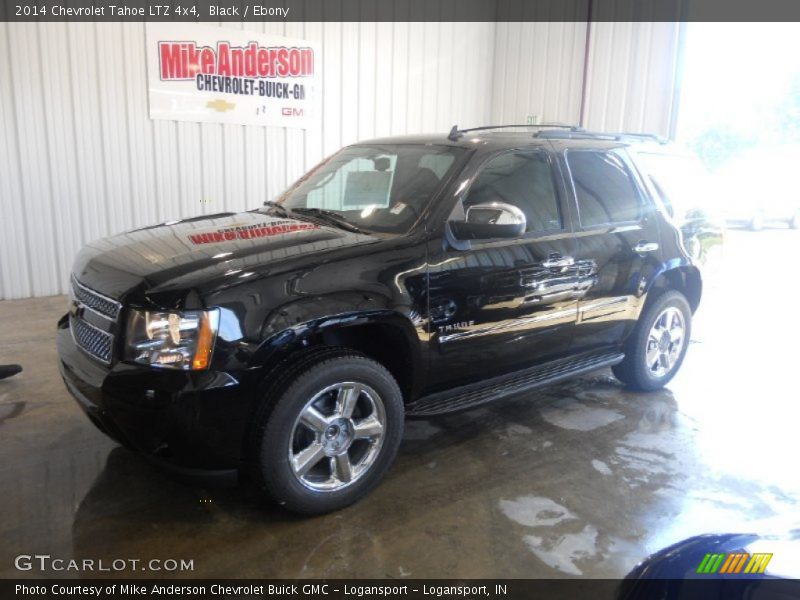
[[219, 75]]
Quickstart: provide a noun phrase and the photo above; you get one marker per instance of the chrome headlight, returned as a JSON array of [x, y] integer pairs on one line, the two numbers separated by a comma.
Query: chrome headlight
[[179, 340]]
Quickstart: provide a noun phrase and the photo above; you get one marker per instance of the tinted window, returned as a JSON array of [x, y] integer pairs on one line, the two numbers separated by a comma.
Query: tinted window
[[604, 188], [524, 180]]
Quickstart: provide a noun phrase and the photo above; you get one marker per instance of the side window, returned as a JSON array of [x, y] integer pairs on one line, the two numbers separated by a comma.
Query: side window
[[604, 188], [523, 179]]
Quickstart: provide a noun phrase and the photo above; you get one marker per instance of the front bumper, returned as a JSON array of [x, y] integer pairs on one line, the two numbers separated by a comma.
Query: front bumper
[[191, 422]]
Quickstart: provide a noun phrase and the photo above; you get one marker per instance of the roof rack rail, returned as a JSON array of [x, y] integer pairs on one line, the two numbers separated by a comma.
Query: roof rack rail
[[601, 135], [456, 133]]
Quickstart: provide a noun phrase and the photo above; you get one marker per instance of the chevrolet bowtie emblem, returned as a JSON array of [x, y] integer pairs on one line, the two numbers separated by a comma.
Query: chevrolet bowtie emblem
[[220, 105]]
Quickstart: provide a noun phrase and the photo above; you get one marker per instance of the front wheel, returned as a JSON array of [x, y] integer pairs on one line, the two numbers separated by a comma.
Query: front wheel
[[657, 346], [331, 434]]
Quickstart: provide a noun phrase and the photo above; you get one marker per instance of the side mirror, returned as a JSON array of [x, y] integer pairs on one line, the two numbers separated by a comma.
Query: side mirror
[[489, 221]]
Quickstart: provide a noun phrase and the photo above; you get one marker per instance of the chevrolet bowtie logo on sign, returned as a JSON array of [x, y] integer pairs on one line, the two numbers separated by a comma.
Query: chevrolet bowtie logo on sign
[[734, 563], [220, 105]]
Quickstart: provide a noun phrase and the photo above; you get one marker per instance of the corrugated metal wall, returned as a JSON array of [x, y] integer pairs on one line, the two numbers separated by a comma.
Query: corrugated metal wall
[[538, 72], [80, 158], [630, 74], [631, 77]]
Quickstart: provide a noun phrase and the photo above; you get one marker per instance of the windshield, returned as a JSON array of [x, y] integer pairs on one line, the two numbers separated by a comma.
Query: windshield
[[375, 188]]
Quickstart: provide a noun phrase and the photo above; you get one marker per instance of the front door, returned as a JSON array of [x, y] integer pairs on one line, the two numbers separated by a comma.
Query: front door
[[500, 305]]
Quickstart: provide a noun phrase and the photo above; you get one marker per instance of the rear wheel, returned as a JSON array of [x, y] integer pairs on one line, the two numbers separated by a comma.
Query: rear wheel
[[657, 347], [331, 435]]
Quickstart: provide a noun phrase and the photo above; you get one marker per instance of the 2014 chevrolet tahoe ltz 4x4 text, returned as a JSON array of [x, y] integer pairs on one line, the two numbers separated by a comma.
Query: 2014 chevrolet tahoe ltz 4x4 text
[[401, 277]]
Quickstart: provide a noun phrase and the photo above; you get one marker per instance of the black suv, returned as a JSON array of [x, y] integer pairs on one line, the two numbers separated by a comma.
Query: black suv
[[401, 277]]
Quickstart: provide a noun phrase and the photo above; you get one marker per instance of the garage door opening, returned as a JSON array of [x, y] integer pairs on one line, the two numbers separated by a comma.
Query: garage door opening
[[740, 112]]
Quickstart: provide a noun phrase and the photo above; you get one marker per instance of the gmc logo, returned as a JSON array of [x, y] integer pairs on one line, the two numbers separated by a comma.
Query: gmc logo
[[287, 111]]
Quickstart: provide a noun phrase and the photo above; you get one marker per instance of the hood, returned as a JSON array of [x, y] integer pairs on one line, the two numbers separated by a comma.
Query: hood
[[206, 252]]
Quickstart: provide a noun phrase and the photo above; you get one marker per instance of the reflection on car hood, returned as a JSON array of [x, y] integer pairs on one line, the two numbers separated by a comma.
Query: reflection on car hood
[[204, 250], [732, 555], [732, 566]]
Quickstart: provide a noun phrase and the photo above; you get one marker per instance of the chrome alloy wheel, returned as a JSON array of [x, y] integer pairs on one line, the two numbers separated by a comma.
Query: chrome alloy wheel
[[665, 342], [337, 436]]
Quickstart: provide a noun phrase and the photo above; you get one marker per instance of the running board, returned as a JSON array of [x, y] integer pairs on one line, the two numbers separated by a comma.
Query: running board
[[504, 386]]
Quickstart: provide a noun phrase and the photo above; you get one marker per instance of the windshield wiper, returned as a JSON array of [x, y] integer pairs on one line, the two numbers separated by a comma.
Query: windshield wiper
[[328, 216], [277, 208]]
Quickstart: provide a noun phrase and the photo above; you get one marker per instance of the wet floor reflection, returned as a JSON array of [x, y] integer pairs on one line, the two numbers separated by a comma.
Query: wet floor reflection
[[584, 479], [9, 410], [468, 493]]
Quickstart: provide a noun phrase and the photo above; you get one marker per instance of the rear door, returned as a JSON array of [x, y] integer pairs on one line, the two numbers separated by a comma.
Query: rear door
[[500, 305], [616, 239]]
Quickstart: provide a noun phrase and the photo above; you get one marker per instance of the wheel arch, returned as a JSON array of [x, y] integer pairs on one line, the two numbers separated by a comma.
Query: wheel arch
[[680, 276], [386, 336]]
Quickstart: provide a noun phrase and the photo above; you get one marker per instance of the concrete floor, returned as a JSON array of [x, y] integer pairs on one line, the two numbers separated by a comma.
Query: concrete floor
[[584, 479]]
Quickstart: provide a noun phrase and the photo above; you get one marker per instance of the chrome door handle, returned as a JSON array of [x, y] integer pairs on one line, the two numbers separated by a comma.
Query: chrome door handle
[[555, 261], [642, 247]]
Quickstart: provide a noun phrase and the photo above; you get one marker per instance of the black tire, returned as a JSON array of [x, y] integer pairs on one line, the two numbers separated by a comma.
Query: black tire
[[276, 421], [634, 370]]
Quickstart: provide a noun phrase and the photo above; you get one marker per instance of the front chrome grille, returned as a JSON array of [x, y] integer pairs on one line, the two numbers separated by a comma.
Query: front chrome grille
[[92, 340], [94, 301], [93, 321]]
